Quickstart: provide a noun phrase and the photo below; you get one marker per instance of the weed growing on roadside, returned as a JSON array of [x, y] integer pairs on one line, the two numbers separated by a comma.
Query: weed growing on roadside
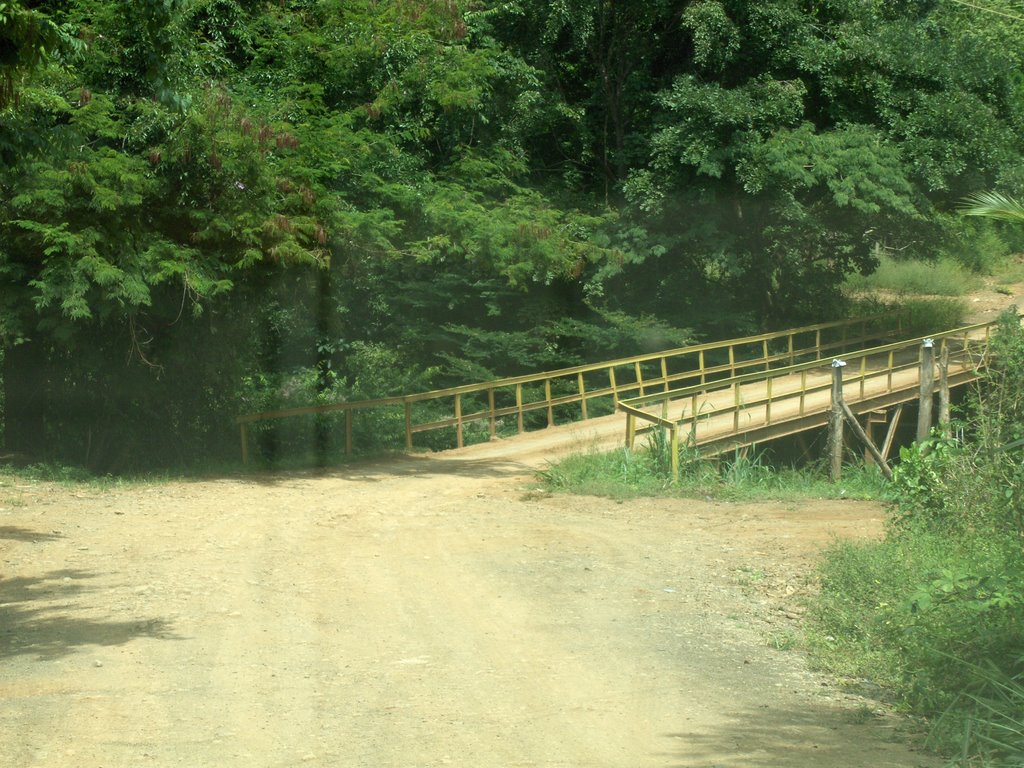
[[783, 641]]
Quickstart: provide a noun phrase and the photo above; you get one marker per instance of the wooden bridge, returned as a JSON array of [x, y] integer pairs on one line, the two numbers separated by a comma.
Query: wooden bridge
[[739, 411], [716, 397]]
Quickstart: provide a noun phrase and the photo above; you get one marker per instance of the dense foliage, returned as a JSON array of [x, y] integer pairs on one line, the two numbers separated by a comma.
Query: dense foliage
[[227, 205]]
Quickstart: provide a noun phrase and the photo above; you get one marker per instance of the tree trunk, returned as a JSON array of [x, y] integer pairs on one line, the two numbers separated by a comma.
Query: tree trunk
[[325, 350]]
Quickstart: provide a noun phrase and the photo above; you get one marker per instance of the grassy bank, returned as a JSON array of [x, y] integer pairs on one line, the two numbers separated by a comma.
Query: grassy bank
[[743, 476]]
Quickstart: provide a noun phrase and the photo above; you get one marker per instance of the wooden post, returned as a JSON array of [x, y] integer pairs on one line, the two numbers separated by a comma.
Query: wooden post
[[927, 390], [700, 363], [547, 396], [348, 431], [947, 431], [764, 347], [494, 418], [803, 390], [664, 373], [630, 430], [768, 401], [835, 424], [245, 442], [732, 361], [458, 421], [817, 344], [583, 395], [639, 377], [615, 388], [863, 374], [408, 425]]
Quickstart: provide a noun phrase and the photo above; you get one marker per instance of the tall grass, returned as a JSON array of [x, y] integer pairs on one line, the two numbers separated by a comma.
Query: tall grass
[[944, 277], [985, 726], [742, 476]]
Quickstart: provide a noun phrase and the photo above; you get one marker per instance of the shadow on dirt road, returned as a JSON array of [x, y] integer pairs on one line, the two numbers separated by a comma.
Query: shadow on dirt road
[[42, 617]]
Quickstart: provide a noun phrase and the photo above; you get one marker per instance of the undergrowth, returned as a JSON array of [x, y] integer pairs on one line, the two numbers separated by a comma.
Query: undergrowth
[[743, 476]]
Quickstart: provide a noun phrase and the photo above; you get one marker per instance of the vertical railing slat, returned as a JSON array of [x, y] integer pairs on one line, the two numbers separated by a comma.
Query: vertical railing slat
[[547, 397], [736, 408], [458, 420], [519, 408]]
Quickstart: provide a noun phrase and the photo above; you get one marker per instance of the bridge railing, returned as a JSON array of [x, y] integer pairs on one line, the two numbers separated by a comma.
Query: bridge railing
[[783, 393], [586, 391]]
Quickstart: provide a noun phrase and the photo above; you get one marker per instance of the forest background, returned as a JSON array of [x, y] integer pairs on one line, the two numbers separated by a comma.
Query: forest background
[[209, 207]]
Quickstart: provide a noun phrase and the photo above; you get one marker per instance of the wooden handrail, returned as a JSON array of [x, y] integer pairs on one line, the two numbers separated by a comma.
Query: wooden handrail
[[678, 394], [968, 335]]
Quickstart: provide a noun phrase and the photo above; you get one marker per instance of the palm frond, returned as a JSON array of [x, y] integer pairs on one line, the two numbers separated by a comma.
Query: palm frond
[[992, 205]]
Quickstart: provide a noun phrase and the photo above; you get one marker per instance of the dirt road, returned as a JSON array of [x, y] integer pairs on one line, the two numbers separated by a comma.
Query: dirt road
[[423, 612]]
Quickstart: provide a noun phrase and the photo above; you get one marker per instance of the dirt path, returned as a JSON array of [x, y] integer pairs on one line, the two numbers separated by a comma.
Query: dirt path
[[424, 612]]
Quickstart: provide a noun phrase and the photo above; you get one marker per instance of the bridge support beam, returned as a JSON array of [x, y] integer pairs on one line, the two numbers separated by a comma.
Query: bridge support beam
[[860, 433], [890, 435]]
